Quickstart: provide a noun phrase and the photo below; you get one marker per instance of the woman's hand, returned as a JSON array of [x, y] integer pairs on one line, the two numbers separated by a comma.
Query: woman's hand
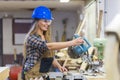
[[57, 65], [62, 69], [77, 41]]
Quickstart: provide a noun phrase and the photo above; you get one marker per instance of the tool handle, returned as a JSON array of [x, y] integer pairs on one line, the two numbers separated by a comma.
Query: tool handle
[[89, 45], [82, 46]]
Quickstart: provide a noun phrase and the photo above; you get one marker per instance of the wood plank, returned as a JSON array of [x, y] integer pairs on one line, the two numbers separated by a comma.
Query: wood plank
[[4, 73], [99, 23]]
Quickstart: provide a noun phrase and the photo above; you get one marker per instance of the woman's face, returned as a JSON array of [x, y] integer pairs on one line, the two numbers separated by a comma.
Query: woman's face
[[44, 24]]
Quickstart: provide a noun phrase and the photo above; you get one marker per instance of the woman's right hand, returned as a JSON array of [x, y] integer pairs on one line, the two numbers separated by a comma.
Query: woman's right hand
[[62, 69], [77, 41]]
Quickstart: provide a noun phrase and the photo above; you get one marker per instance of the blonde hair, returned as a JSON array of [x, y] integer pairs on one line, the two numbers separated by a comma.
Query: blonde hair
[[33, 30]]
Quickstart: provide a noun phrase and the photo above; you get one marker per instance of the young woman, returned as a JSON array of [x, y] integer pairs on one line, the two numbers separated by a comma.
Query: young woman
[[38, 48]]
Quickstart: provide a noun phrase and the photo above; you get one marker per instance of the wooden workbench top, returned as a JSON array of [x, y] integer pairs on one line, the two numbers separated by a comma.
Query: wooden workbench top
[[4, 73]]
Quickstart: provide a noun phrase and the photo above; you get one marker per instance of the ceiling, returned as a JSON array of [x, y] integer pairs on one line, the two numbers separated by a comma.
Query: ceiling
[[8, 5]]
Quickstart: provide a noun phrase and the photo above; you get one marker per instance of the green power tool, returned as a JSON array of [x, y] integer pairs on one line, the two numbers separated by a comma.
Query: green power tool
[[99, 43]]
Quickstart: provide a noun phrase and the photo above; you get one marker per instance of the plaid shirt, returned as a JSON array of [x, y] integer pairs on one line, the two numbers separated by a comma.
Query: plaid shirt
[[35, 47]]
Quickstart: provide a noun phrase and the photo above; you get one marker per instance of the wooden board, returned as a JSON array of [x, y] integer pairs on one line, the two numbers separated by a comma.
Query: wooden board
[[4, 73], [99, 23]]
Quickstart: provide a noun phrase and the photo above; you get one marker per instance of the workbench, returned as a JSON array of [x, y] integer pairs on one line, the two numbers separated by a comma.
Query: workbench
[[4, 73], [75, 75], [97, 77]]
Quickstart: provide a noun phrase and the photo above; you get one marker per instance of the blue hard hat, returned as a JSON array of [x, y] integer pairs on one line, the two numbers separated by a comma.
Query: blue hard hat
[[42, 12]]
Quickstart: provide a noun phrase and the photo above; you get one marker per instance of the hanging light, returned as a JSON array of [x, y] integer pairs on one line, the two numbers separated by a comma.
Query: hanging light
[[64, 0]]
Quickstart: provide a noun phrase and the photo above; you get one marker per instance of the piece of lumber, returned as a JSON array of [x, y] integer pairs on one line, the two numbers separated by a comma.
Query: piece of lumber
[[4, 73], [99, 23]]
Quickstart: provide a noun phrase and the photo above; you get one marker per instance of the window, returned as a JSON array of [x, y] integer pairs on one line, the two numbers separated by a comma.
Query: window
[[20, 28]]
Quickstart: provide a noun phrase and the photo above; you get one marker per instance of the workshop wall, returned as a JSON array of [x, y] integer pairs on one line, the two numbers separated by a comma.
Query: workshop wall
[[58, 26], [8, 47], [89, 28], [112, 8]]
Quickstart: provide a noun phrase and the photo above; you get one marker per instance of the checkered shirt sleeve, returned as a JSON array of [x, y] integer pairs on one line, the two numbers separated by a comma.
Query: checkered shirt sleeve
[[37, 42]]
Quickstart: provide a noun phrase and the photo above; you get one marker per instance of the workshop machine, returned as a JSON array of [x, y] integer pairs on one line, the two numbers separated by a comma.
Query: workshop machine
[[78, 51], [99, 43], [82, 51]]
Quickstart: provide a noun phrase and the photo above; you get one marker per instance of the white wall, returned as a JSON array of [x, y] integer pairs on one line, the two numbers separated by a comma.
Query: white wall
[[8, 47], [91, 24], [112, 7], [57, 25]]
